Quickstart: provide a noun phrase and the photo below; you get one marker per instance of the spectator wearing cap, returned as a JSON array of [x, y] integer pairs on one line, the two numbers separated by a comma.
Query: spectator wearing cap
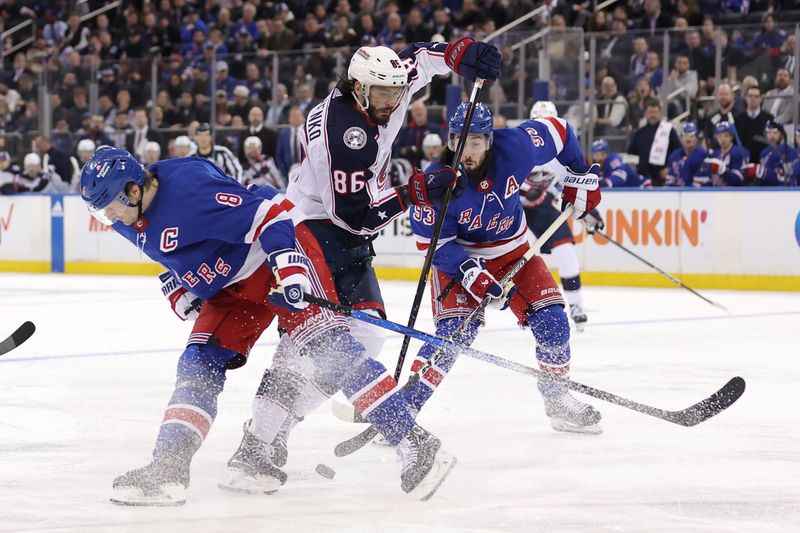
[[777, 159], [256, 128], [241, 105], [134, 46], [152, 153], [183, 146], [141, 134], [725, 163], [216, 153], [432, 146], [260, 170], [409, 141], [652, 143], [83, 152], [290, 147], [751, 122], [685, 165], [778, 101], [108, 84], [614, 171], [225, 81], [34, 177], [724, 111]]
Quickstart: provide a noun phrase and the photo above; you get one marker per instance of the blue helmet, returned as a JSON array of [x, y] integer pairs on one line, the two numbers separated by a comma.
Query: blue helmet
[[689, 128], [106, 175], [600, 145], [723, 126], [482, 123]]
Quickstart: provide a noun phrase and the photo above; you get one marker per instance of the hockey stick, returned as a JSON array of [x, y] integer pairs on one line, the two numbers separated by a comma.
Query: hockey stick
[[691, 416], [437, 229], [665, 274], [348, 413], [22, 334]]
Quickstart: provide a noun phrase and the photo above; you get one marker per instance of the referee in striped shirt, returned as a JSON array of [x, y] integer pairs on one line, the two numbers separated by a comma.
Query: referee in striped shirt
[[217, 154]]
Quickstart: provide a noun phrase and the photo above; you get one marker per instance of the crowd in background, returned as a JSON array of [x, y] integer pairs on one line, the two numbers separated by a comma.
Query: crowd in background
[[253, 131]]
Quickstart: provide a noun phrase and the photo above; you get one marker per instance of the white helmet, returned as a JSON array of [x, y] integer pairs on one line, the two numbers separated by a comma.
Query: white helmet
[[152, 146], [377, 65], [183, 140], [431, 140], [252, 141], [32, 160], [86, 145], [543, 108]]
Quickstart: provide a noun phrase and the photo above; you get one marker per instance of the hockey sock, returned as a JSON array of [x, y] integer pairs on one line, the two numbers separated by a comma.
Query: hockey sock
[[279, 390], [572, 290], [418, 394], [193, 406], [550, 327]]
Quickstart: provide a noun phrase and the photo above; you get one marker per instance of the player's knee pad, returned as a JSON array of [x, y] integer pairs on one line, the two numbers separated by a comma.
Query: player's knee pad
[[550, 327], [334, 352], [372, 338], [203, 366]]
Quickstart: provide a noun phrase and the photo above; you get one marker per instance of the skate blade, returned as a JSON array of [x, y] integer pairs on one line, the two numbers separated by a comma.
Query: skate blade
[[442, 467], [171, 495], [245, 484], [380, 440], [566, 427]]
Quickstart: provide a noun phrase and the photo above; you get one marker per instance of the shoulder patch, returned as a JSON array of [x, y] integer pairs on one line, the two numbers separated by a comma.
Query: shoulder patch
[[355, 138]]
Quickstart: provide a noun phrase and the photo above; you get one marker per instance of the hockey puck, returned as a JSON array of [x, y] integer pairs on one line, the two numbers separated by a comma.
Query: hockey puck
[[325, 471]]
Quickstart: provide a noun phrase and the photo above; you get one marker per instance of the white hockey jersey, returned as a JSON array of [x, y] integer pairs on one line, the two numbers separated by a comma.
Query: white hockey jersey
[[343, 177]]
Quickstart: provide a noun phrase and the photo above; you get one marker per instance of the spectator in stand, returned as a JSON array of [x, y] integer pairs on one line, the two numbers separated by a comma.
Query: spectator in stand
[[655, 18], [441, 24], [723, 112], [612, 112], [343, 9], [409, 141], [639, 57], [280, 37], [343, 34], [698, 59], [685, 164], [34, 178], [787, 60], [224, 81], [778, 101], [183, 146], [690, 11], [313, 35], [432, 146], [392, 31], [119, 131], [652, 71], [637, 102], [256, 128], [304, 97], [240, 106], [260, 170], [652, 143], [682, 76], [615, 51], [770, 39], [290, 150], [141, 133], [84, 150], [614, 172], [52, 159], [368, 31], [750, 124], [732, 56], [152, 153], [247, 20], [95, 131], [416, 28], [276, 114]]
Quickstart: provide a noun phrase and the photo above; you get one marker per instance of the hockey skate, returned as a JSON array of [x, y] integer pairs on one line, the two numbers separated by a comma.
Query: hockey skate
[[578, 316], [571, 415], [253, 468], [161, 483], [425, 465]]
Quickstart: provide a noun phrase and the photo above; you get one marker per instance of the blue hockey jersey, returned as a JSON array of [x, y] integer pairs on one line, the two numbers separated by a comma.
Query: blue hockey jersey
[[682, 169], [488, 220], [616, 173], [208, 229], [777, 164], [734, 158]]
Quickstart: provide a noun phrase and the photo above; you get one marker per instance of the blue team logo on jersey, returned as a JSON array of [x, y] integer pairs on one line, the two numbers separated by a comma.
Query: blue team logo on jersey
[[797, 228]]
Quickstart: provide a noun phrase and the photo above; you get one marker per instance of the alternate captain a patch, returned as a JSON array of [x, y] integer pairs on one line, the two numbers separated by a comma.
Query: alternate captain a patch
[[355, 138]]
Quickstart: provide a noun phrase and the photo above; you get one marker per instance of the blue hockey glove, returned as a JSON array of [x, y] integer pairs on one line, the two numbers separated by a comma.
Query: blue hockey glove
[[291, 272], [472, 59], [185, 304]]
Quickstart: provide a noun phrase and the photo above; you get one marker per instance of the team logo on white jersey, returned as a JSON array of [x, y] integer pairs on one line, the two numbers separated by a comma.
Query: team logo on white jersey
[[355, 138]]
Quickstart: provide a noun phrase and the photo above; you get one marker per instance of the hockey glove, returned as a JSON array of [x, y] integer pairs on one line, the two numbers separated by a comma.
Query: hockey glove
[[582, 190], [752, 172], [426, 189], [594, 222], [480, 283], [715, 166], [472, 59], [185, 304], [291, 272]]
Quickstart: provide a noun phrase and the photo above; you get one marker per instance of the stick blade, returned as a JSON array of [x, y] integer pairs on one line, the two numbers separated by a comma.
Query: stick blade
[[22, 334], [354, 444], [711, 406]]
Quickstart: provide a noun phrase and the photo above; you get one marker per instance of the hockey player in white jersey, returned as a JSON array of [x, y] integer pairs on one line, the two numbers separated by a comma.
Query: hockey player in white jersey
[[342, 185], [538, 196]]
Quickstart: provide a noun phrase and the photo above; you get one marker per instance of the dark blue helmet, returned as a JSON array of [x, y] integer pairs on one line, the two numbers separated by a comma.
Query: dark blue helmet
[[482, 123], [723, 126], [106, 175], [600, 145]]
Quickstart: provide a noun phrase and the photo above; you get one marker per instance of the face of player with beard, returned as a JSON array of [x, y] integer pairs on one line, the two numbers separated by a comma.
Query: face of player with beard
[[475, 150], [382, 101]]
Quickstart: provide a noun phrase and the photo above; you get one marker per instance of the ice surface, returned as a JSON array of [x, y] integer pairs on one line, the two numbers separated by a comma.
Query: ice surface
[[81, 401]]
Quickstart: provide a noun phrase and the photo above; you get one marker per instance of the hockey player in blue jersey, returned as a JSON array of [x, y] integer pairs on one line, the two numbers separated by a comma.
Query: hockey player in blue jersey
[[686, 163], [484, 235], [777, 158], [237, 256], [614, 171], [724, 165]]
